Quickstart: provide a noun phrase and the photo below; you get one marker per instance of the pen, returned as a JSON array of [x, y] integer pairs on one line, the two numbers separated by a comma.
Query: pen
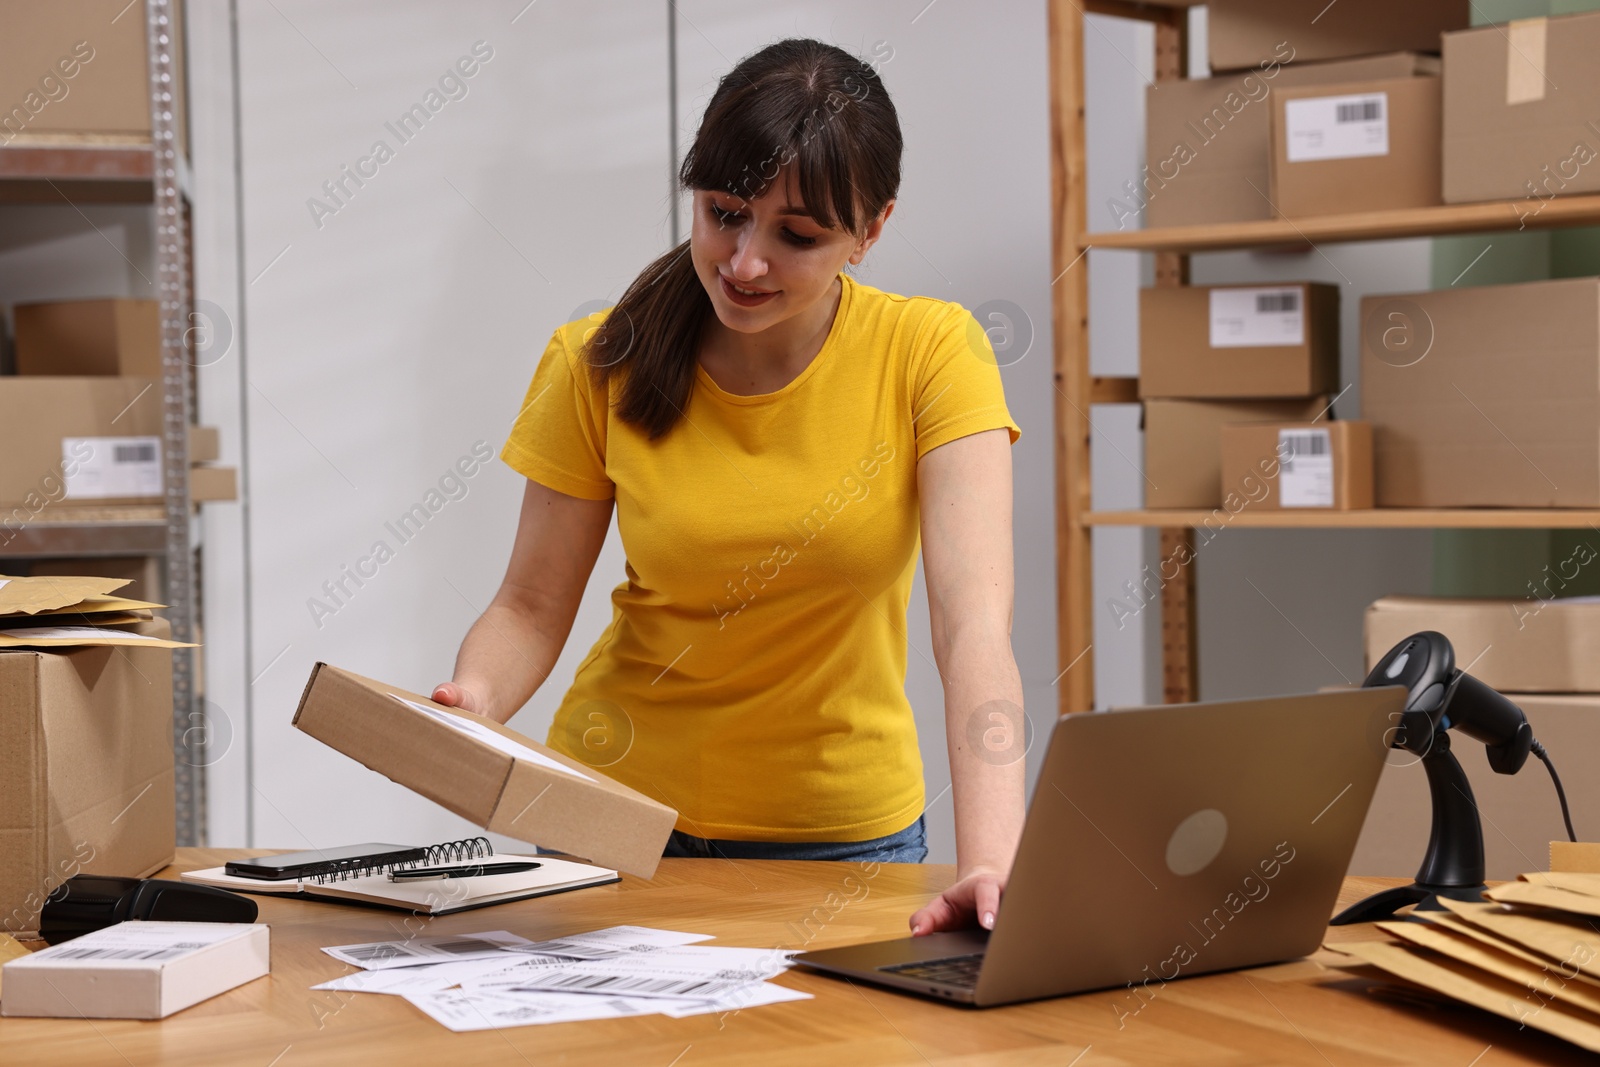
[[417, 874]]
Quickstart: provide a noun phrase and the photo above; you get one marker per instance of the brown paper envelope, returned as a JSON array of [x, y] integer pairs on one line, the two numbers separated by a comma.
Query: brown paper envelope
[[25, 596], [1547, 980], [1569, 881], [1545, 896], [1481, 990], [71, 618], [1461, 926], [79, 637], [1544, 932]]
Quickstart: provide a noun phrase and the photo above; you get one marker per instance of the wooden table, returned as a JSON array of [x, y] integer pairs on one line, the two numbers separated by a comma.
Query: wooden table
[[1295, 1013]]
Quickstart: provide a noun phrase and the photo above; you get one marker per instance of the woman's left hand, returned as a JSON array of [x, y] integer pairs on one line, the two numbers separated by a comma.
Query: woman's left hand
[[976, 897]]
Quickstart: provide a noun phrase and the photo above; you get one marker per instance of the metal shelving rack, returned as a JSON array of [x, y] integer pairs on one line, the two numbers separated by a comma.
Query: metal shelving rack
[[1077, 389], [156, 174]]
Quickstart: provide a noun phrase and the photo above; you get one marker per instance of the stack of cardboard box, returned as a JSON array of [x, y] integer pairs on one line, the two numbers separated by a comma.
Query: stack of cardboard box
[[1544, 653], [1237, 383], [86, 771], [81, 421]]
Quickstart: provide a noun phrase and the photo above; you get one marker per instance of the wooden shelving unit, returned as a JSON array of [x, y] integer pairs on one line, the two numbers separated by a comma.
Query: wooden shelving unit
[[1371, 519], [1076, 389], [1438, 221]]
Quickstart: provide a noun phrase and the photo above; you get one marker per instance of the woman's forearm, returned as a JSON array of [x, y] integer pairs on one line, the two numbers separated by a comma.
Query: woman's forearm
[[505, 657], [986, 735]]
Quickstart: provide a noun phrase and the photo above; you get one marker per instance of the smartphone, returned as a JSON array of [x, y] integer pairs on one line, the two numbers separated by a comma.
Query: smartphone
[[299, 864]]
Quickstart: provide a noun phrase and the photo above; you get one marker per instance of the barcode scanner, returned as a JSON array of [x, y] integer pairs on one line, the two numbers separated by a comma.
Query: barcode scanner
[[88, 902], [1440, 698]]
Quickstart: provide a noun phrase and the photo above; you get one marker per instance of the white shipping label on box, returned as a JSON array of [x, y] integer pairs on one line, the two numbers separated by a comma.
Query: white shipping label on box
[[1258, 318], [102, 467], [1336, 127], [494, 740], [1305, 469]]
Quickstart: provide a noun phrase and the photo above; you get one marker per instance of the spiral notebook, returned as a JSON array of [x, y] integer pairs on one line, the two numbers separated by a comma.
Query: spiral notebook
[[352, 882]]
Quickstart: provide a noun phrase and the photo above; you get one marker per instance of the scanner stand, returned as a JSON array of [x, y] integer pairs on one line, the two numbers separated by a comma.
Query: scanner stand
[[1453, 866]]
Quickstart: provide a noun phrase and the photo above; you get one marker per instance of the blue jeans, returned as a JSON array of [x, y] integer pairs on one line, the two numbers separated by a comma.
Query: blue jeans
[[907, 846]]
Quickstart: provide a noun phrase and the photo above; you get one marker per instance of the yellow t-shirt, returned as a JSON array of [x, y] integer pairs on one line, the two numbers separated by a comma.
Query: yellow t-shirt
[[753, 674]]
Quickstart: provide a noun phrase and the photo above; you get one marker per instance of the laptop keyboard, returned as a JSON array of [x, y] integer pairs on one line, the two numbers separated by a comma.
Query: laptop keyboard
[[961, 971]]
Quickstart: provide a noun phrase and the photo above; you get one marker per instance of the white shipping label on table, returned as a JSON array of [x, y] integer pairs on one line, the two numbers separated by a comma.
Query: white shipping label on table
[[1305, 469], [1336, 127], [439, 948], [1270, 317], [96, 468]]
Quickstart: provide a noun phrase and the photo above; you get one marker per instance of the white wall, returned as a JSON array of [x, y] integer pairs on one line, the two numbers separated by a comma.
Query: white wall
[[378, 346]]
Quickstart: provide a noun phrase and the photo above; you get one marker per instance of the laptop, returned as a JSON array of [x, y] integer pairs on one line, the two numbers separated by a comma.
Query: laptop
[[1162, 843]]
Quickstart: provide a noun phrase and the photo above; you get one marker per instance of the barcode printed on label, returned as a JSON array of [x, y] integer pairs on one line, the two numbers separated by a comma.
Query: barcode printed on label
[[386, 950], [133, 454], [1277, 303], [618, 983], [1306, 444], [464, 945], [1360, 111], [122, 953]]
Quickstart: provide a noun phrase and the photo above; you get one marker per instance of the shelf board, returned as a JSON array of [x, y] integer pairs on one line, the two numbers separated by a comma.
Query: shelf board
[[80, 169], [1375, 518], [83, 531], [1361, 226]]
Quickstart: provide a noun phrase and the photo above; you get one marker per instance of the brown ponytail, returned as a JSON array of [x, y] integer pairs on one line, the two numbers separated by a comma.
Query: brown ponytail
[[800, 101]]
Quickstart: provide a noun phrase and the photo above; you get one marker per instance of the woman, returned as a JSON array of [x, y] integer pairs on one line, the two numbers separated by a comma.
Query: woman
[[771, 432]]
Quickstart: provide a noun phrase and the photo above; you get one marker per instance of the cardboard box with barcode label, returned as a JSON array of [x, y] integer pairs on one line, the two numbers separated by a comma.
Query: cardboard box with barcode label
[[484, 772], [1356, 146], [1236, 341], [1208, 140], [1485, 396], [1182, 457], [1240, 32], [1509, 132], [86, 768], [1326, 465], [69, 441], [136, 970], [107, 338]]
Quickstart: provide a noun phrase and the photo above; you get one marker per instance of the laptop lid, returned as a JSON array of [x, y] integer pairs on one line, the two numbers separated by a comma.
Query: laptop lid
[[1170, 841]]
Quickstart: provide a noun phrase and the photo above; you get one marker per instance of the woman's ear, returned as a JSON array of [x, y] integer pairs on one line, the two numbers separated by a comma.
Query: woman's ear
[[874, 231]]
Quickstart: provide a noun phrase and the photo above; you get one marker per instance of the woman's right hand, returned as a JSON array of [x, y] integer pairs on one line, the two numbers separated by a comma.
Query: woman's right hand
[[452, 695]]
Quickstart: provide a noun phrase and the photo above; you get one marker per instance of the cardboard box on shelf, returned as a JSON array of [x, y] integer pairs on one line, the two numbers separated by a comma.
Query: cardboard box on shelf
[[1356, 146], [98, 337], [77, 441], [213, 484], [86, 773], [1300, 464], [1540, 643], [1485, 396], [1521, 815], [1182, 457], [1509, 133], [205, 444], [1208, 141], [484, 772], [1239, 341], [81, 68], [1240, 32]]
